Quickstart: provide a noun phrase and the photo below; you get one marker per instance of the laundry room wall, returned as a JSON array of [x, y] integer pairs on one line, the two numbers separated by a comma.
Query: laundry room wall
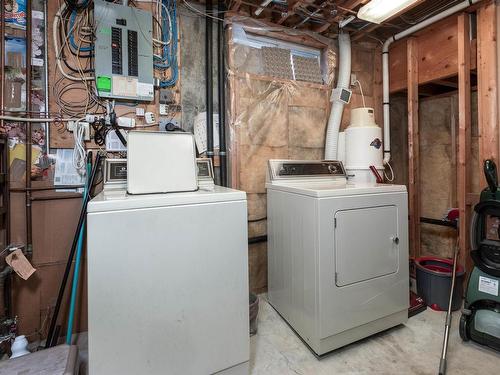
[[272, 117], [291, 128], [55, 214], [438, 126]]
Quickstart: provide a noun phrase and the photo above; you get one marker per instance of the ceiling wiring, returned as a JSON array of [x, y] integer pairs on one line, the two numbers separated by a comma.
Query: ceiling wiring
[[199, 12]]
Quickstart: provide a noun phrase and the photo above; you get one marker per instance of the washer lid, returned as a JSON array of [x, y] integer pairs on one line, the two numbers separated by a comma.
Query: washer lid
[[324, 189], [115, 200]]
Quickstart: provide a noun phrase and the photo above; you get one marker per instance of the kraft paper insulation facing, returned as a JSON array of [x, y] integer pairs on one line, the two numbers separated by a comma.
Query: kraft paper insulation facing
[[271, 117]]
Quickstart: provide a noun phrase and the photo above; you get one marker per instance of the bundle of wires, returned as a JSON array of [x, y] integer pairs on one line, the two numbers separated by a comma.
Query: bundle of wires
[[73, 38], [167, 59]]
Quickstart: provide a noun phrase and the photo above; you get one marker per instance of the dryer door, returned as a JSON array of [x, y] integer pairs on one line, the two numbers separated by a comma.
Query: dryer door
[[366, 244]]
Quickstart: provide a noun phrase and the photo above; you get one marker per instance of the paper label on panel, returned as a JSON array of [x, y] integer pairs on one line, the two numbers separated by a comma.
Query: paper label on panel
[[145, 89], [124, 86], [489, 286]]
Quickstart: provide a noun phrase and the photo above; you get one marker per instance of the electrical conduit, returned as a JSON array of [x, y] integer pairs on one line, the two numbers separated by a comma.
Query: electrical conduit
[[385, 66], [343, 82]]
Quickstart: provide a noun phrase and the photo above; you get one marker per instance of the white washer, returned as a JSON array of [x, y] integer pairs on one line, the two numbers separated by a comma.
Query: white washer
[[168, 283], [337, 253]]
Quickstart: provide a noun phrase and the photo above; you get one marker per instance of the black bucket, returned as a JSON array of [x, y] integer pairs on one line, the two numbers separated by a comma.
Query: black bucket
[[254, 311], [434, 282]]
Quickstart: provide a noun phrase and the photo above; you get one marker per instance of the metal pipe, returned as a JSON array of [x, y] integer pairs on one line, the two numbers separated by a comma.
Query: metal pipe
[[5, 285], [29, 132], [317, 11], [6, 193], [5, 274], [2, 63], [209, 80], [442, 223], [46, 71], [54, 198], [385, 66], [446, 338], [52, 333], [258, 239], [222, 95], [22, 190]]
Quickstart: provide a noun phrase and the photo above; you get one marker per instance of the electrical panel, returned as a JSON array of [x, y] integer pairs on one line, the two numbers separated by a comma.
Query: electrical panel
[[123, 52]]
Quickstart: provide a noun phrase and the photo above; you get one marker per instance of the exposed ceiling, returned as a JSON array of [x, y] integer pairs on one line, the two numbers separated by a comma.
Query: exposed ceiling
[[323, 16]]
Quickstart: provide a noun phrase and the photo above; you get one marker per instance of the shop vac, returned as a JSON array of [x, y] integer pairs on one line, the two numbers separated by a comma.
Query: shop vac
[[480, 320]]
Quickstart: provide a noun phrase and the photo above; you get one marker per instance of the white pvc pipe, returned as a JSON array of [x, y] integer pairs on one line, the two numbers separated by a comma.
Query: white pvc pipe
[[385, 65], [344, 79]]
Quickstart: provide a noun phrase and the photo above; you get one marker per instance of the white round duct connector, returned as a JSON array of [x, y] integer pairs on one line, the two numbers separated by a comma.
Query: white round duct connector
[[19, 347]]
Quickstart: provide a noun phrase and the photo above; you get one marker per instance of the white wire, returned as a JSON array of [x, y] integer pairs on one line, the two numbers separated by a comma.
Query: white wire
[[169, 25], [55, 28], [160, 3], [79, 152], [361, 90], [392, 173], [193, 9]]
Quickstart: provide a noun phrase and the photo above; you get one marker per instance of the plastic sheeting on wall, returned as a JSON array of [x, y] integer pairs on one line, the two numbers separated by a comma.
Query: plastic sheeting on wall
[[271, 117]]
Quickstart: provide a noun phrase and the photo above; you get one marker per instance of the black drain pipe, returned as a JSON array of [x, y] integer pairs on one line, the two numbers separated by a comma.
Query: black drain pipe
[[222, 95], [209, 80]]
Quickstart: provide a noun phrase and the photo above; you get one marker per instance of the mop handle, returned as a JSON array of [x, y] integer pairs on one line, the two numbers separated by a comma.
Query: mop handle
[[442, 362]]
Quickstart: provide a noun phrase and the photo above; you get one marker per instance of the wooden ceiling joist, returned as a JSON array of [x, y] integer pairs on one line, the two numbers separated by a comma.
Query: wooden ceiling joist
[[292, 6], [447, 83], [236, 5], [321, 15]]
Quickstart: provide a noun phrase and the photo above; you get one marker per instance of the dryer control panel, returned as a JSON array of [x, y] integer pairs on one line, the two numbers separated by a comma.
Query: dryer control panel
[[299, 169]]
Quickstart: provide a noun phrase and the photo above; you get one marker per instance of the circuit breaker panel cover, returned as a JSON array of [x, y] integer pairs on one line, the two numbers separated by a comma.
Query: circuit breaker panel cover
[[123, 52]]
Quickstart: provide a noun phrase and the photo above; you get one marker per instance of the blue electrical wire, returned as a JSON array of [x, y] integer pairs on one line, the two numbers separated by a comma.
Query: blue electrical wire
[[169, 52], [72, 37]]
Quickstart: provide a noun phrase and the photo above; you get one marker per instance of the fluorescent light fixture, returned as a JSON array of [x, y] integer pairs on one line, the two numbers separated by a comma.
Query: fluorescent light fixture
[[377, 11], [264, 4]]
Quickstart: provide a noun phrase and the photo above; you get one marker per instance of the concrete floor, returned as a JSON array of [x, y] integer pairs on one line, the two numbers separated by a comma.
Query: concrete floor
[[413, 348]]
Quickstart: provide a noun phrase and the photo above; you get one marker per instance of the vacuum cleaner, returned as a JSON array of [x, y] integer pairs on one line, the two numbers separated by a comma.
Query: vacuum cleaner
[[480, 320]]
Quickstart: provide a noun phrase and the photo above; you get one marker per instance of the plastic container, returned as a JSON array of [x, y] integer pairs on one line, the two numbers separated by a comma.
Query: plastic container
[[19, 347], [434, 282], [254, 311]]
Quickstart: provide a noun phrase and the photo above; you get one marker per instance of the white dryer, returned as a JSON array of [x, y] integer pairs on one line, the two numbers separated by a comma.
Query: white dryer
[[337, 253]]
